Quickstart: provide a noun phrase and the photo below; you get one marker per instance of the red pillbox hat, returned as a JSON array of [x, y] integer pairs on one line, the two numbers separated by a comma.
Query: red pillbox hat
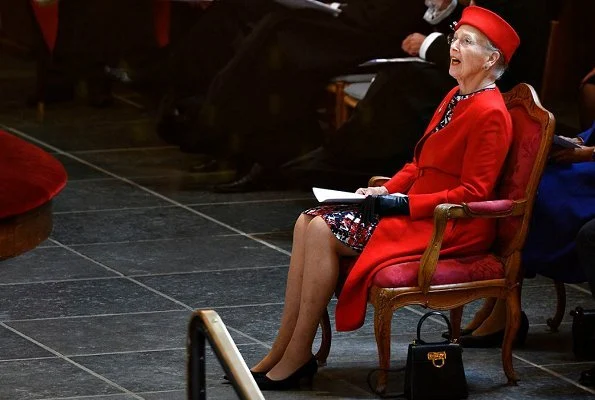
[[500, 33]]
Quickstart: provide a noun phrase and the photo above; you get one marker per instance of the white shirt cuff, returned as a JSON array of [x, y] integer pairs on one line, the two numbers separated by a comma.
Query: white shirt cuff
[[427, 43], [336, 5]]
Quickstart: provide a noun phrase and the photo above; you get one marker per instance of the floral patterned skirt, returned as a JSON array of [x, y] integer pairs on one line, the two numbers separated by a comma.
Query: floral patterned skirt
[[345, 223]]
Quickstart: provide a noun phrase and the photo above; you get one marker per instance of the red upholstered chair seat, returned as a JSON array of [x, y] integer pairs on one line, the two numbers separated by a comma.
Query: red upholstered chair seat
[[29, 176], [448, 271]]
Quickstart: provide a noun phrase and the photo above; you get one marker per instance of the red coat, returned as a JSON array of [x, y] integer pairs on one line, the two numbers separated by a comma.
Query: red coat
[[459, 163]]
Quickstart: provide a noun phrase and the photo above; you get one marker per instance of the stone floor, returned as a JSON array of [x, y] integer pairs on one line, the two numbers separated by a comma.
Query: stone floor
[[100, 310]]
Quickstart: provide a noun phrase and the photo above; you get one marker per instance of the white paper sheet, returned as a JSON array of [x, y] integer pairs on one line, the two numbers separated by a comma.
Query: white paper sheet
[[377, 61], [336, 196], [312, 4]]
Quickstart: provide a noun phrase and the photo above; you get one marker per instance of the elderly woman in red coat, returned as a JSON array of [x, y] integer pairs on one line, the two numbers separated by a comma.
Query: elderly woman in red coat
[[457, 160]]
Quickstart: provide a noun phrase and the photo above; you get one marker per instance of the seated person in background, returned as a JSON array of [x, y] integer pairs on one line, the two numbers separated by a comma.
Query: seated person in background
[[91, 35], [386, 124], [458, 159], [261, 109], [184, 78], [587, 100], [383, 129], [585, 247]]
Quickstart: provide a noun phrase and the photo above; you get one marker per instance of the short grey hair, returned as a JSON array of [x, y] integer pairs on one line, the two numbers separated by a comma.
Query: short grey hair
[[501, 65]]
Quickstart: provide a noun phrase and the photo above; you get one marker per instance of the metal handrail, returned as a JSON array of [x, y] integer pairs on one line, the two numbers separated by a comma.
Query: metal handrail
[[206, 324]]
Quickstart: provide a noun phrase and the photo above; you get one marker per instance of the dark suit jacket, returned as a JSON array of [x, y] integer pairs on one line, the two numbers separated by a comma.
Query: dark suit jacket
[[388, 16]]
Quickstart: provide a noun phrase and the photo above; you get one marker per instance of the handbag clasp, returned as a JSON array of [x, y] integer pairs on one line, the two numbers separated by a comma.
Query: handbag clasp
[[438, 358]]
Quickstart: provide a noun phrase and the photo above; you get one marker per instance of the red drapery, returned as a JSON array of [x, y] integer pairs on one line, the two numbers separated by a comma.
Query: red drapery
[[47, 18], [162, 16]]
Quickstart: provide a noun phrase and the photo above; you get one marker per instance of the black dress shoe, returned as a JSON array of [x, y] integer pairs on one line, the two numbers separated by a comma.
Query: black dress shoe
[[587, 377], [258, 178], [306, 371], [464, 332], [495, 339]]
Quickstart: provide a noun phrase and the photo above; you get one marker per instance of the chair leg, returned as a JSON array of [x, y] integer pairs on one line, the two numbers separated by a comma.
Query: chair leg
[[513, 322], [456, 315], [41, 111], [325, 345], [554, 322], [383, 315], [43, 64], [339, 106]]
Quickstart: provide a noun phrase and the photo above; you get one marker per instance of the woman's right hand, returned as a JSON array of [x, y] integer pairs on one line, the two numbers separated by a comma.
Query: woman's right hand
[[372, 190], [568, 156], [577, 140]]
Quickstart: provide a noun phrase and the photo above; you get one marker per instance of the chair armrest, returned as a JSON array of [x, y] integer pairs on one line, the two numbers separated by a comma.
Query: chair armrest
[[429, 260], [378, 180], [495, 208], [444, 212]]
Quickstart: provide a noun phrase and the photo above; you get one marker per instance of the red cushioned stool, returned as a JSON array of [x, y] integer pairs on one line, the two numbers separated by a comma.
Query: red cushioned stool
[[29, 180]]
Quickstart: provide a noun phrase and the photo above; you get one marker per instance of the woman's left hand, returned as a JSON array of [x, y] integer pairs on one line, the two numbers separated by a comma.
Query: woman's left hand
[[567, 156]]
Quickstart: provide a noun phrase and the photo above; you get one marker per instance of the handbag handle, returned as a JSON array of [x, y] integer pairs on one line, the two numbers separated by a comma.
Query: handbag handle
[[426, 316]]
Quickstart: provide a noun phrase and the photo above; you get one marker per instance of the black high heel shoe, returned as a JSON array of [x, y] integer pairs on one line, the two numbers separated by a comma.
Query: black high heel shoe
[[306, 371], [464, 332], [495, 339], [255, 375]]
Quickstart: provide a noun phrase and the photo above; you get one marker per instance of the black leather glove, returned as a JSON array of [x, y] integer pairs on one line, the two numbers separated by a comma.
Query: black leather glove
[[386, 204]]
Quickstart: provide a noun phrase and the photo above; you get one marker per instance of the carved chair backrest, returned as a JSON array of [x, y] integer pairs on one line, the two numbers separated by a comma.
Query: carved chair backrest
[[533, 129]]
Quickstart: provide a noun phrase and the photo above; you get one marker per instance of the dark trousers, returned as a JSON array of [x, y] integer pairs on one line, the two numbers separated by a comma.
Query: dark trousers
[[94, 33], [381, 134], [209, 44], [585, 246], [263, 103]]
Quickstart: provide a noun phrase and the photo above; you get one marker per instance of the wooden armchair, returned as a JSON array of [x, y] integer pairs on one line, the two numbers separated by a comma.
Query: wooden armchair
[[449, 284]]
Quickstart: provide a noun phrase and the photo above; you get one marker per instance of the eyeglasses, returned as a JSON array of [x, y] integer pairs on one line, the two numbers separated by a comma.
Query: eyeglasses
[[465, 40]]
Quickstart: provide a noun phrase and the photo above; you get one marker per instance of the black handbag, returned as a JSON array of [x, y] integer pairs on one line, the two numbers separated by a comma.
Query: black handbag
[[434, 371], [583, 333]]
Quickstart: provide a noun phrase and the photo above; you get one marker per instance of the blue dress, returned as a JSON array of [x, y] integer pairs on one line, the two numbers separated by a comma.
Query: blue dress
[[565, 202]]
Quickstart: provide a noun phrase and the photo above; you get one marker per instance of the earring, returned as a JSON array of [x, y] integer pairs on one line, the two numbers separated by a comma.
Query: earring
[[486, 67]]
